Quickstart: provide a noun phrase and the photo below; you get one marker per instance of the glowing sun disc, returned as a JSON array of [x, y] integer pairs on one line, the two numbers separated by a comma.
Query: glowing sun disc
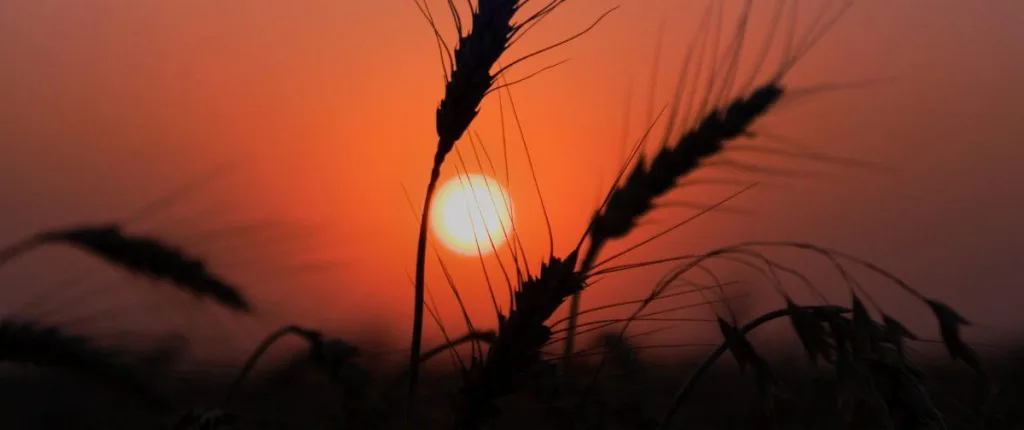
[[470, 213]]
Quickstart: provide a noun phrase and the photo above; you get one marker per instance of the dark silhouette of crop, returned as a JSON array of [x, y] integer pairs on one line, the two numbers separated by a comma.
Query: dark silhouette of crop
[[864, 348], [142, 255]]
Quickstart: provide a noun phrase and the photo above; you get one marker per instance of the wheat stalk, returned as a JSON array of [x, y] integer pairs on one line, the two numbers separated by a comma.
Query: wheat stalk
[[142, 255], [470, 78]]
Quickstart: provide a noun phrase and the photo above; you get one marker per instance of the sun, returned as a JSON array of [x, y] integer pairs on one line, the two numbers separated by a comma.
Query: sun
[[472, 213]]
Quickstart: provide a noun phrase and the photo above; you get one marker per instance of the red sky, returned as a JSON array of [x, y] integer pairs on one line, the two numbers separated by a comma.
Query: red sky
[[328, 105]]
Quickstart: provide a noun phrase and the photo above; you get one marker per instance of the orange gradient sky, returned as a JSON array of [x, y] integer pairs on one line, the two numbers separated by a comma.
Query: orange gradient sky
[[327, 109]]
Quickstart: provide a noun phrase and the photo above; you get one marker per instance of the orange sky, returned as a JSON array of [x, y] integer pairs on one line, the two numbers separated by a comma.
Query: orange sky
[[329, 105]]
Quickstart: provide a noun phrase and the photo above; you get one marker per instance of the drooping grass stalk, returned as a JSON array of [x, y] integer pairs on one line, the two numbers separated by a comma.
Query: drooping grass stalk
[[323, 351], [261, 349], [141, 255]]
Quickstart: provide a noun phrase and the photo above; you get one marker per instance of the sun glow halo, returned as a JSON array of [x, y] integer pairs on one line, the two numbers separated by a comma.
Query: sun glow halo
[[471, 211]]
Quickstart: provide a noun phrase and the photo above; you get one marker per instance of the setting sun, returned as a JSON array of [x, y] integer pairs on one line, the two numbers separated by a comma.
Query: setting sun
[[471, 213]]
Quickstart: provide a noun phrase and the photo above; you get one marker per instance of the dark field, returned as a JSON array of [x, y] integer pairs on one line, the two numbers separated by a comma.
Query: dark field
[[632, 395]]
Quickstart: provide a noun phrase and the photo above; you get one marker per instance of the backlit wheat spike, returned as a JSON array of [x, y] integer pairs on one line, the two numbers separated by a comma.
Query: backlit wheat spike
[[466, 85], [475, 55], [719, 122], [521, 335], [467, 82], [636, 196], [141, 255]]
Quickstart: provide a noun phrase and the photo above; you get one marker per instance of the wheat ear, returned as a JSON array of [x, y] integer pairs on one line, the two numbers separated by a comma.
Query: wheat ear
[[521, 335], [141, 255], [718, 124]]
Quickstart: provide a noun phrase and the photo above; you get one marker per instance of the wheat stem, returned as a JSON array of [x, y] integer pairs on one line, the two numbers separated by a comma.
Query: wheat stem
[[421, 251]]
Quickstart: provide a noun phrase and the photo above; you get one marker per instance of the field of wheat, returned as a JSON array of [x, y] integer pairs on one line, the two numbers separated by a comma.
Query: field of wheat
[[842, 354]]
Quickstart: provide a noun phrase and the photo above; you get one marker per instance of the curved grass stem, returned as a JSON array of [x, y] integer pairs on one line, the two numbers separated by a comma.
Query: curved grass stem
[[421, 253], [684, 391], [261, 349]]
